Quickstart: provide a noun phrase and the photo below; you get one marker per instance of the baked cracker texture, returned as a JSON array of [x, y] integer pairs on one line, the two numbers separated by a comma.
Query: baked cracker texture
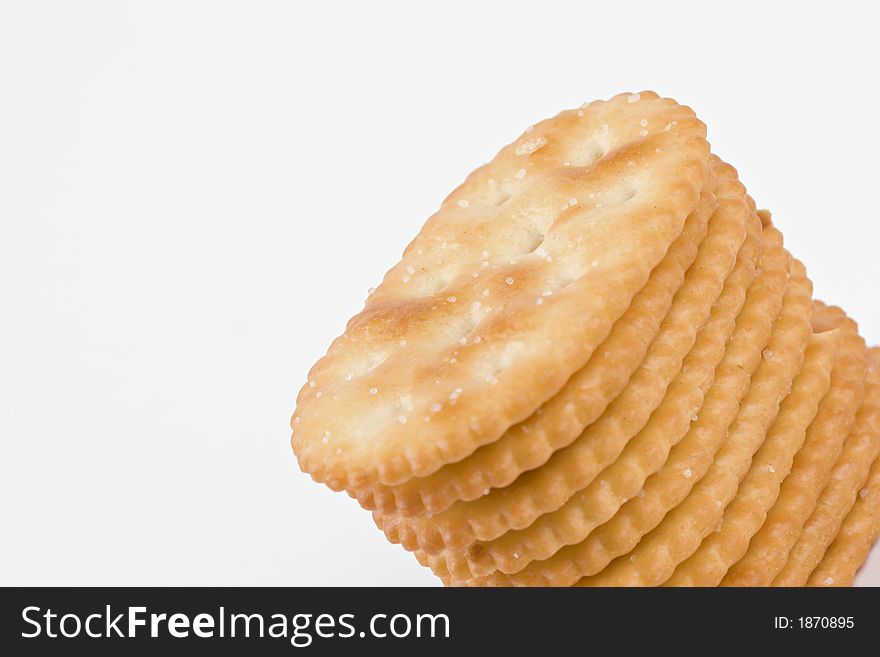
[[647, 450], [576, 213], [560, 420], [769, 547], [570, 469], [653, 561], [757, 492], [598, 365], [847, 479], [860, 528]]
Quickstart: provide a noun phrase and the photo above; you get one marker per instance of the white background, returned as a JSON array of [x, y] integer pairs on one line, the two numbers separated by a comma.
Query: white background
[[195, 196]]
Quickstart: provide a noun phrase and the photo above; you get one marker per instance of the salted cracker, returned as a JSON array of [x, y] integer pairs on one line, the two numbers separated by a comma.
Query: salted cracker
[[847, 479], [433, 368], [666, 488], [861, 527], [654, 559], [571, 469], [757, 492], [669, 423], [769, 547], [581, 401]]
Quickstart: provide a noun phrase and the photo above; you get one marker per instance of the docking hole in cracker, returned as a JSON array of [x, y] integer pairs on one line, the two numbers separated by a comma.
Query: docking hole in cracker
[[597, 364]]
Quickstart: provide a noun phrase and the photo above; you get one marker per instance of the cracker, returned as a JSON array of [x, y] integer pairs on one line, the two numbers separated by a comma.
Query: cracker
[[584, 397], [574, 467], [847, 479], [757, 492], [860, 528], [433, 368], [681, 531], [648, 450], [666, 488], [769, 548]]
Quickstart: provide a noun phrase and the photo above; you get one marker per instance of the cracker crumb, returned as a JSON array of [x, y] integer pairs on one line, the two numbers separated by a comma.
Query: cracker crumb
[[435, 407], [462, 340], [694, 417], [633, 98], [521, 173], [454, 395], [452, 299], [864, 493], [486, 292], [572, 201], [464, 203], [374, 391], [349, 376], [770, 468], [547, 293], [410, 271], [319, 394], [828, 581], [326, 437], [688, 473], [406, 278], [643, 123], [767, 354], [508, 280], [643, 133], [371, 291], [539, 301]]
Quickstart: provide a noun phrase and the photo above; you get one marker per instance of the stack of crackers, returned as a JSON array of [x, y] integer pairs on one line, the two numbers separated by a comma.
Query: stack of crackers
[[597, 364]]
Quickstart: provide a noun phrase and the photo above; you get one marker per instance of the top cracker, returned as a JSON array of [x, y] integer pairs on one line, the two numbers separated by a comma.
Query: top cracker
[[504, 293]]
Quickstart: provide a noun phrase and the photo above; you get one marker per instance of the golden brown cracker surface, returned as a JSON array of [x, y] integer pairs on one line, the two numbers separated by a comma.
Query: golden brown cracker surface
[[681, 531], [847, 478], [562, 228], [757, 492], [769, 547]]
